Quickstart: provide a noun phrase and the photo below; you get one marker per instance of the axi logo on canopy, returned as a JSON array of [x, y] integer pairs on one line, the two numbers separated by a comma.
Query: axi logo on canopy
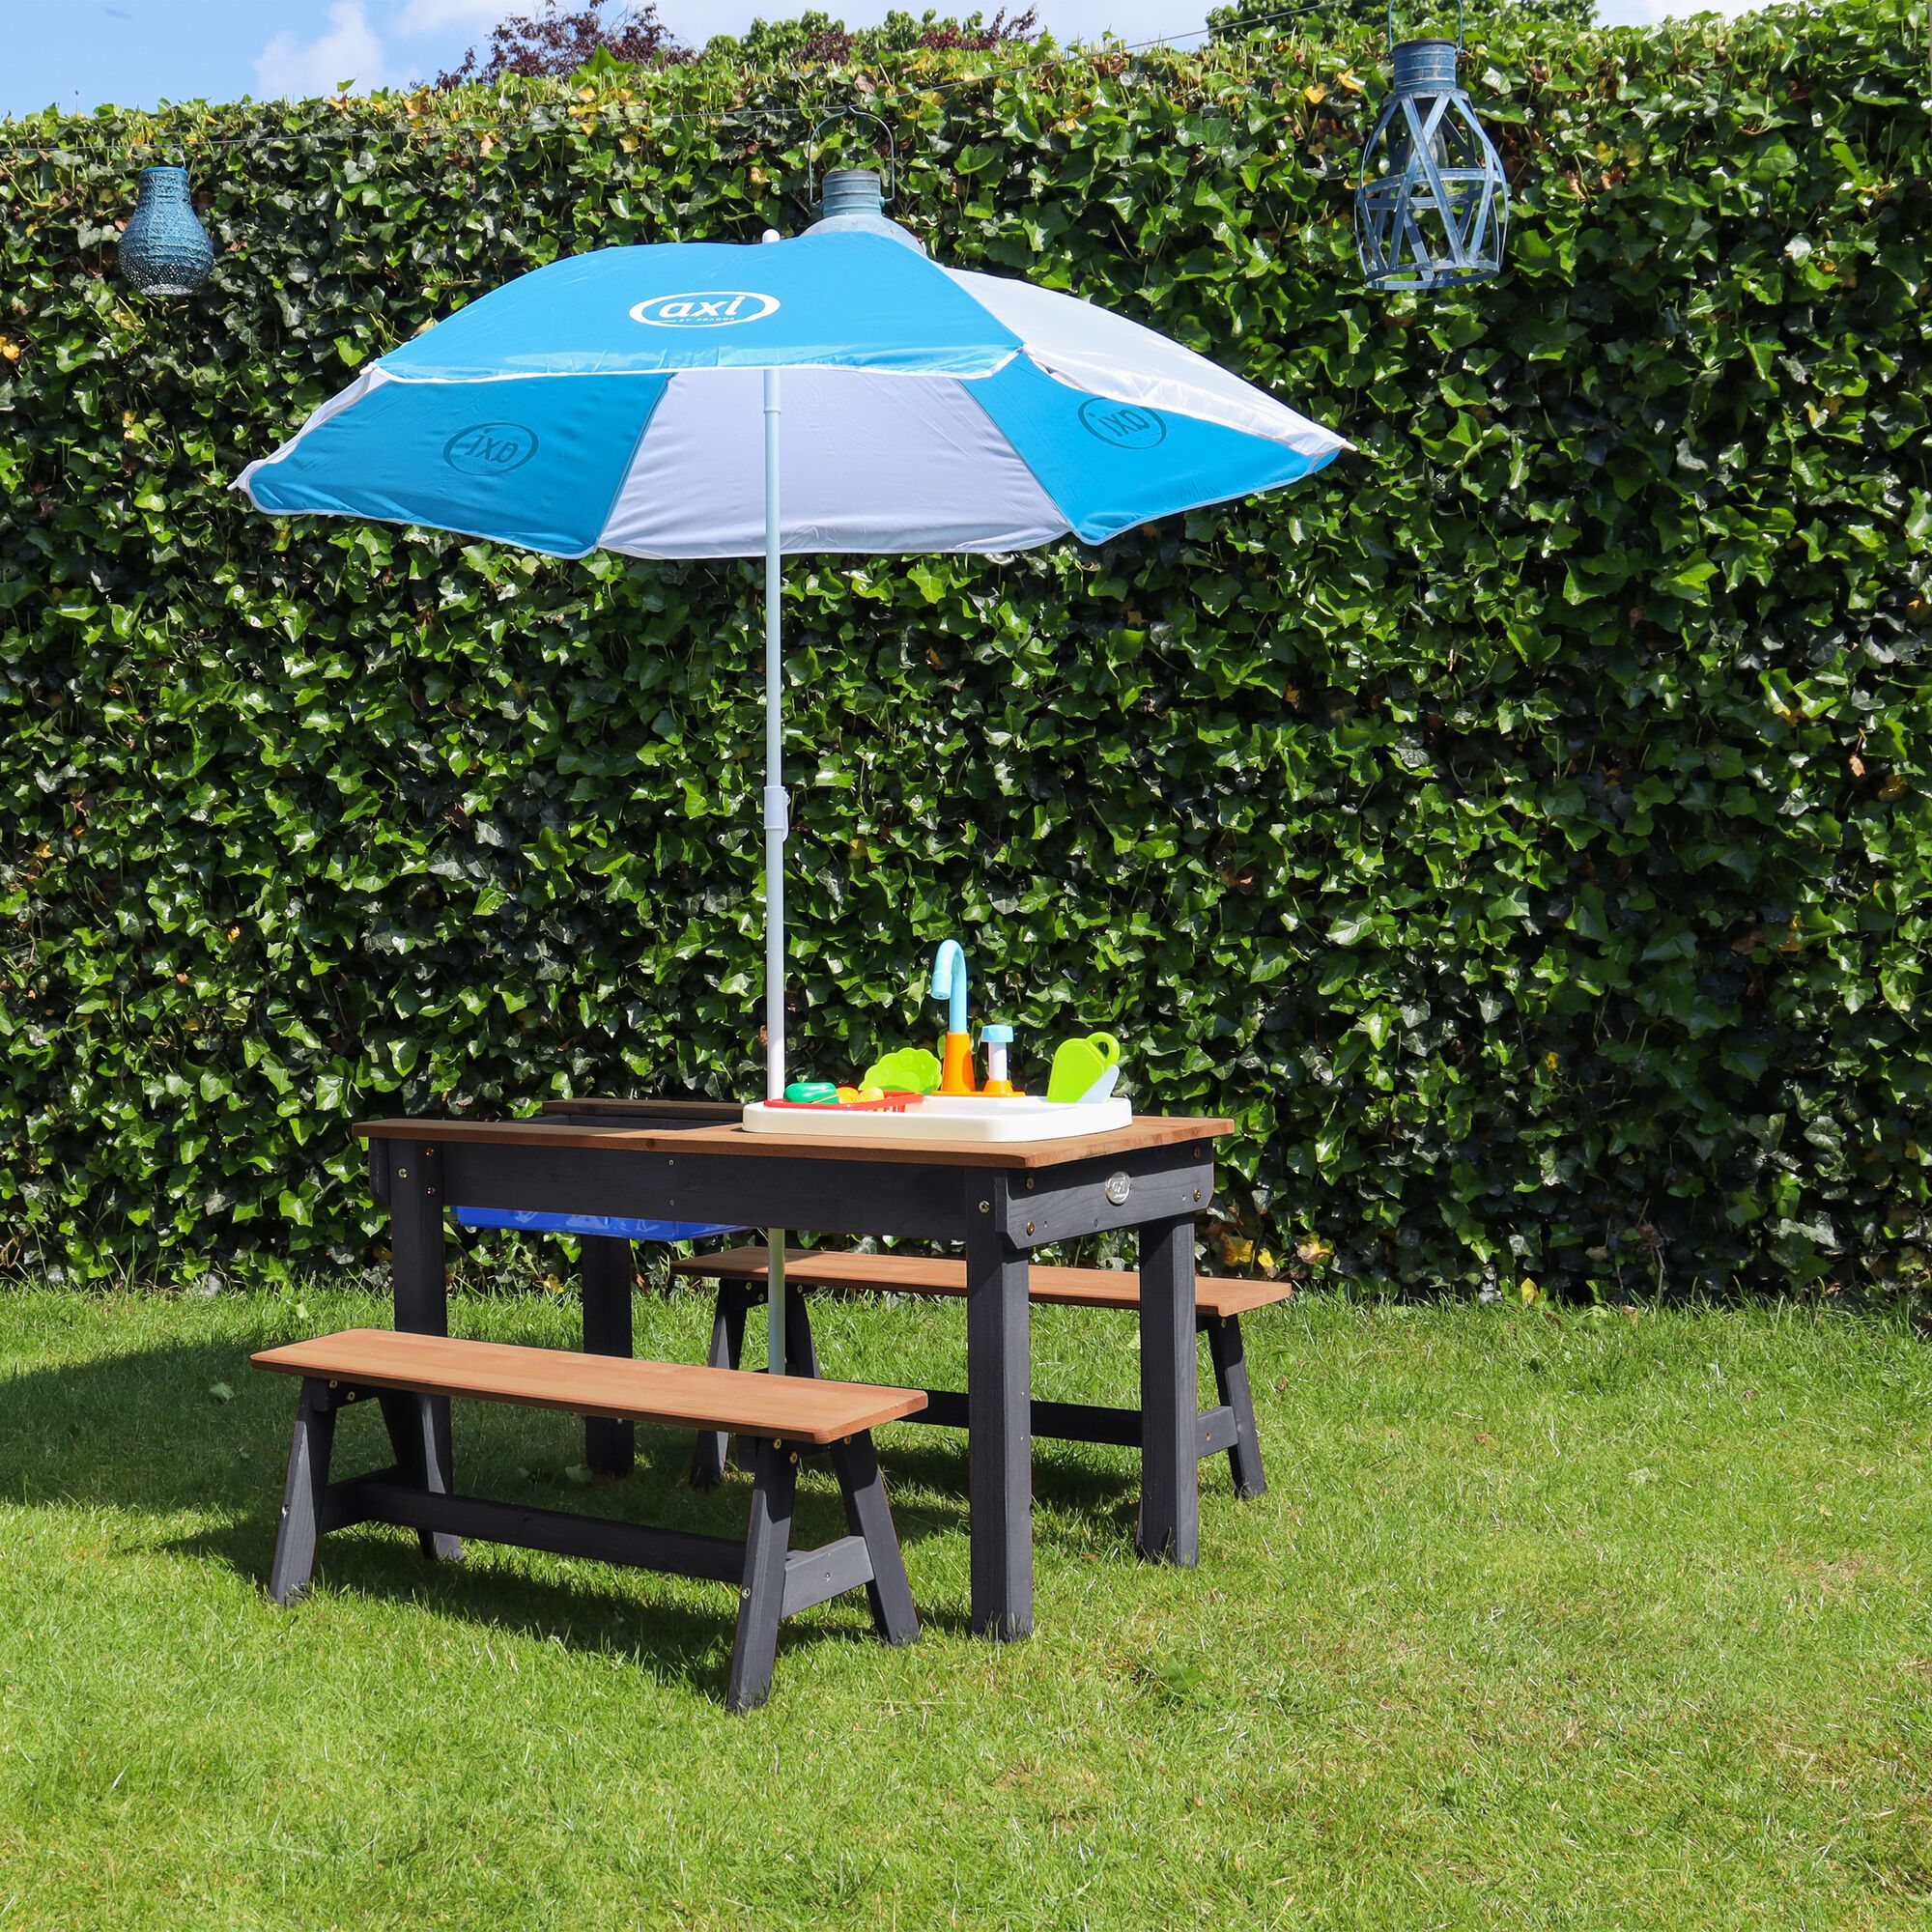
[[490, 448], [704, 308], [1125, 425]]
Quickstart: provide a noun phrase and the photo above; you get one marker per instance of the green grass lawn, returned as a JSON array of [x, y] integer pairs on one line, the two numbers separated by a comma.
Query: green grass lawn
[[1547, 1620]]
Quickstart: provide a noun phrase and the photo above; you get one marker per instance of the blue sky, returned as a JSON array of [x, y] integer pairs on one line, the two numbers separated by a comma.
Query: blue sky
[[82, 54]]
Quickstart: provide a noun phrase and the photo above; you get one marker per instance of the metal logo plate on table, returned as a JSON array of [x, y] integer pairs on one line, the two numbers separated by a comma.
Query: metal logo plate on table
[[1119, 1187]]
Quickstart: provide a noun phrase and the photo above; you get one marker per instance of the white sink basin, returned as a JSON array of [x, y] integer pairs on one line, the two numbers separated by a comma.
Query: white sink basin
[[943, 1117]]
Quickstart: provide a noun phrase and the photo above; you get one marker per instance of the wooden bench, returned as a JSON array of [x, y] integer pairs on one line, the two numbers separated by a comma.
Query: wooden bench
[[782, 1417], [1219, 1304]]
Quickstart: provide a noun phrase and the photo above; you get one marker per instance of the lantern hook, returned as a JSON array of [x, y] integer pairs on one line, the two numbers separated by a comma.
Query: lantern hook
[[844, 113]]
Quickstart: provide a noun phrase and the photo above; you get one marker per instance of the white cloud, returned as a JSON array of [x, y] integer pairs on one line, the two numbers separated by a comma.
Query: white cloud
[[351, 49], [432, 16]]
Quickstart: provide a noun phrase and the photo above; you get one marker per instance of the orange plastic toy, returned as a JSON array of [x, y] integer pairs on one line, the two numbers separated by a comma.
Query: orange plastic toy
[[955, 1064]]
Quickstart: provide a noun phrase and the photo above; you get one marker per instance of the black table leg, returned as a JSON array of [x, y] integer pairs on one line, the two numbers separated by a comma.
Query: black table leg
[[420, 1287], [1170, 1524], [610, 1274], [999, 1376]]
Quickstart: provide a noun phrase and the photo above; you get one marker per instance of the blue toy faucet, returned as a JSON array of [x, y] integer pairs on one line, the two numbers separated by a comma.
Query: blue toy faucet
[[949, 984]]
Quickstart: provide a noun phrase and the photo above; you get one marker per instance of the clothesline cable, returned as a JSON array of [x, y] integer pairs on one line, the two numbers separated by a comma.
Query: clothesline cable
[[190, 143]]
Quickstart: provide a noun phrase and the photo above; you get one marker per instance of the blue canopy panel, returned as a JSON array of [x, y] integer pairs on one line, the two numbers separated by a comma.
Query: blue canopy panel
[[529, 1220], [1111, 465], [532, 463], [841, 302]]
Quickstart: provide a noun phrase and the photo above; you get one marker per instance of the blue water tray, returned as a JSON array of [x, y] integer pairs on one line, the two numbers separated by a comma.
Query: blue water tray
[[621, 1227]]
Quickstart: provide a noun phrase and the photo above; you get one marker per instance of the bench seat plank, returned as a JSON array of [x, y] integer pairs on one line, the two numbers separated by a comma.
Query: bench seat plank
[[1215, 1296], [727, 1400]]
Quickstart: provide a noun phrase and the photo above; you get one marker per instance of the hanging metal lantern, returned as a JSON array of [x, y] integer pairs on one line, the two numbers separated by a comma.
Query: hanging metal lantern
[[1432, 208], [853, 201], [165, 250]]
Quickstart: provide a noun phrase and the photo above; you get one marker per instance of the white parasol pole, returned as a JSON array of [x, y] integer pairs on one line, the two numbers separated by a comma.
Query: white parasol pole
[[777, 820]]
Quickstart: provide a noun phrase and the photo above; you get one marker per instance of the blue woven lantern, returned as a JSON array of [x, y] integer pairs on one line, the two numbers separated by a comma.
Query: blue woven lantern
[[165, 250], [1432, 208]]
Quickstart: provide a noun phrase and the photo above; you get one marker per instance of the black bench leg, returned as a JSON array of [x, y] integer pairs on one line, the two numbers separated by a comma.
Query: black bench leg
[[711, 1450], [761, 1598], [411, 1422], [867, 1514], [300, 1529], [801, 1350], [610, 1274], [1231, 1385]]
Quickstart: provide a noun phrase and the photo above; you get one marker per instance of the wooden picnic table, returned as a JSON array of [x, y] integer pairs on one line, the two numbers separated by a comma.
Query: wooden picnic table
[[691, 1161]]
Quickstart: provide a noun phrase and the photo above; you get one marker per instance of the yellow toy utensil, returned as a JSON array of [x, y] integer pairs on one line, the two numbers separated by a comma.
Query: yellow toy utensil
[[1079, 1065]]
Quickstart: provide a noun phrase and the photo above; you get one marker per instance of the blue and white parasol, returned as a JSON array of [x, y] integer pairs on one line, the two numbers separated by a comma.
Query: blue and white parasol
[[629, 399]]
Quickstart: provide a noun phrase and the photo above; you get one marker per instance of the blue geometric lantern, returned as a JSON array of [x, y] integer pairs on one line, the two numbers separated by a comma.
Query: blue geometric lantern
[[165, 250], [1432, 208]]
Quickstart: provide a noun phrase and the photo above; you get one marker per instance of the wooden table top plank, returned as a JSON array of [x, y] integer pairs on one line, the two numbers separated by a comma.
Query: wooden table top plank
[[1145, 1132], [697, 1112], [799, 1408], [938, 1275]]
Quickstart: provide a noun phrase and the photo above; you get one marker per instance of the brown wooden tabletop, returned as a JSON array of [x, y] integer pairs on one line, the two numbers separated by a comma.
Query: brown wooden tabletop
[[706, 1137]]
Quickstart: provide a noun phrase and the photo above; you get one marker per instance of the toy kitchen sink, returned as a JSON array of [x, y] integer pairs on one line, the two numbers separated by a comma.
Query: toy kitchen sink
[[896, 1099]]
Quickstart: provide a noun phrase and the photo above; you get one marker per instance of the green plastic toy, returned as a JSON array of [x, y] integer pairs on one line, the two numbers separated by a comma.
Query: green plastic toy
[[912, 1069], [1080, 1065]]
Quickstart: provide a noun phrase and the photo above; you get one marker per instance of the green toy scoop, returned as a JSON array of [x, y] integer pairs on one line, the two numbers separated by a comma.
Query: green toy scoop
[[1079, 1065]]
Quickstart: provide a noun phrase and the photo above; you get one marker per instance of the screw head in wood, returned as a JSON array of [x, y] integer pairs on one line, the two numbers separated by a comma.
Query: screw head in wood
[[1028, 1227], [986, 1207], [402, 1173], [1196, 1194]]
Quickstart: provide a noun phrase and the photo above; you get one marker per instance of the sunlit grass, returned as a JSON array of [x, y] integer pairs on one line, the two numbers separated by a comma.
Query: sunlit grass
[[1547, 1620]]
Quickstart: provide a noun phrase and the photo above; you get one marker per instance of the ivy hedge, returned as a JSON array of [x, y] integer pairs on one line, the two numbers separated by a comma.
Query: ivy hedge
[[1523, 829]]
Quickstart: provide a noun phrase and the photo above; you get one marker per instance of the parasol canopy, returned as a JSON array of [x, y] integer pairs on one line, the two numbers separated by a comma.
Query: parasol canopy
[[615, 401]]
